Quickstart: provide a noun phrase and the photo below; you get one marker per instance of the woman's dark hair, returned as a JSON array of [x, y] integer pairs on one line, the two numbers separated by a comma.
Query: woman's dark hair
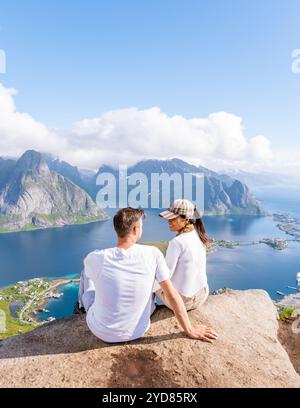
[[200, 228]]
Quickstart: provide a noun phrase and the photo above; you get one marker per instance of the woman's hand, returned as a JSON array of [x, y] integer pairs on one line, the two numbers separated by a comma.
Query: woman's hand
[[203, 333]]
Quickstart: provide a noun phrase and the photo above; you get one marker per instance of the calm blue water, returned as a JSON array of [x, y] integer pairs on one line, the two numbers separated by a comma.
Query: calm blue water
[[280, 199], [64, 306], [59, 252]]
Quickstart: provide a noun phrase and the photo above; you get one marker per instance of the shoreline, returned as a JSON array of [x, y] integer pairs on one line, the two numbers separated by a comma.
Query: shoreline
[[108, 218], [57, 283], [46, 301], [51, 227], [290, 301]]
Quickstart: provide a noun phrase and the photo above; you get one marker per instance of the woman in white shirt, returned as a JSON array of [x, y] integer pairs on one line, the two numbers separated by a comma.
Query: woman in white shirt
[[186, 254]]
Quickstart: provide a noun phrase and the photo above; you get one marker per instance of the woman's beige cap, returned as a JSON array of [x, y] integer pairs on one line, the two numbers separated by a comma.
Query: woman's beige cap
[[181, 207]]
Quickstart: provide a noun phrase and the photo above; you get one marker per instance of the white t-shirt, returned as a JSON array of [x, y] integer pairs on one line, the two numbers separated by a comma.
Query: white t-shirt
[[186, 259], [124, 280]]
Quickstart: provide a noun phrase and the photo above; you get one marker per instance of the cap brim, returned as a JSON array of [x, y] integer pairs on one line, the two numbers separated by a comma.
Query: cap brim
[[169, 215]]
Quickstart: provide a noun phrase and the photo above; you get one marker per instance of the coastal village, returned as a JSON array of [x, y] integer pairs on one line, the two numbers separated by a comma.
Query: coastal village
[[22, 302]]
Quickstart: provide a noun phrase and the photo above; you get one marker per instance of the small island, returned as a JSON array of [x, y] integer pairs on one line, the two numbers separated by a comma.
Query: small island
[[289, 229], [214, 244], [288, 224], [276, 243], [286, 218]]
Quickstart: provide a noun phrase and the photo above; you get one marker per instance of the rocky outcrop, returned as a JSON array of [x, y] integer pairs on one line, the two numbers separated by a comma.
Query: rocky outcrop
[[290, 339], [32, 196], [247, 354]]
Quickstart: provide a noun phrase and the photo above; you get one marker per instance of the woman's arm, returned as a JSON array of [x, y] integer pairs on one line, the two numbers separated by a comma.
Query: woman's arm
[[173, 255]]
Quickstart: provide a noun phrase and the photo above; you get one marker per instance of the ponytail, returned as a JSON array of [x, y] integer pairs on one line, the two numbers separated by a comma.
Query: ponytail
[[200, 228], [193, 216]]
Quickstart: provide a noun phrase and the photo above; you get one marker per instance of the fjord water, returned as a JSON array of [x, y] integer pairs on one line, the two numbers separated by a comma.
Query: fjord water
[[59, 252]]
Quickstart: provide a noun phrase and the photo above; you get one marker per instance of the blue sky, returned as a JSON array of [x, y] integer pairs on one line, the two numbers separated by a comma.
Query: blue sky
[[71, 60]]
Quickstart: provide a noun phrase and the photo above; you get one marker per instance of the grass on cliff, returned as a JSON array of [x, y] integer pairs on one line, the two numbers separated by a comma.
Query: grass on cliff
[[48, 217], [161, 245], [4, 218], [285, 313], [71, 219], [10, 326]]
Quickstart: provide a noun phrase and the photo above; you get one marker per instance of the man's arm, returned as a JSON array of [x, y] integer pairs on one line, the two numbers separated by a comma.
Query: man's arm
[[199, 332], [92, 264]]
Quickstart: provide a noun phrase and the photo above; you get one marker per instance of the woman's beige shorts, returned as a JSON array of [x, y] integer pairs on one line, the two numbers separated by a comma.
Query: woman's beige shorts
[[190, 302]]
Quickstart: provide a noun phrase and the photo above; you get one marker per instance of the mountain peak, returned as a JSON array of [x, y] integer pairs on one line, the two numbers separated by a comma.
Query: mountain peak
[[32, 196], [32, 160]]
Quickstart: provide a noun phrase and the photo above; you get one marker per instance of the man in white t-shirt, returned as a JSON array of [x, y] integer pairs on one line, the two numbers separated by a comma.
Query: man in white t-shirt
[[117, 286]]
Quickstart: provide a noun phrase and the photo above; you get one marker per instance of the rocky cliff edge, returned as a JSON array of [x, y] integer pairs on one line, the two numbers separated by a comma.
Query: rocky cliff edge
[[247, 354]]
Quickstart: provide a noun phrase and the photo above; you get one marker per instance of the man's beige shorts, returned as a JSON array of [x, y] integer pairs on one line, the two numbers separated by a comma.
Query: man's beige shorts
[[190, 302]]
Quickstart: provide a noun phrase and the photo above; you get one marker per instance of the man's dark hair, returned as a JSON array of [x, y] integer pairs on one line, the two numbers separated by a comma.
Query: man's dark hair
[[125, 219]]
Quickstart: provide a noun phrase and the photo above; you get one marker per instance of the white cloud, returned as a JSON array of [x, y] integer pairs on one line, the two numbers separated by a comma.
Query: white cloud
[[129, 135], [132, 134], [20, 131]]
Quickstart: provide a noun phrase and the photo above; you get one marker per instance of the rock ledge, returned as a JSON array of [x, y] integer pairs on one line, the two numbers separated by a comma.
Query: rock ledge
[[247, 354]]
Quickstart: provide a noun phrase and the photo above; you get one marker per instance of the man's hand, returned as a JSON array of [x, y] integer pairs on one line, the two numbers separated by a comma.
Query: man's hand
[[198, 332], [203, 333]]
